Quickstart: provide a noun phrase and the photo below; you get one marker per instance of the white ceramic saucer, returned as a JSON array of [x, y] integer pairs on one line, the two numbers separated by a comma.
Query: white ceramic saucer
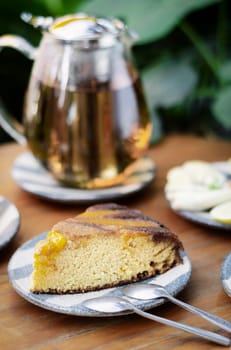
[[226, 274], [9, 221], [33, 178], [20, 268]]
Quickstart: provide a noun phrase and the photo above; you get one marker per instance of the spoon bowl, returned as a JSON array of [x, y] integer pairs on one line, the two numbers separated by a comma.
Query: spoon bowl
[[145, 291], [107, 304]]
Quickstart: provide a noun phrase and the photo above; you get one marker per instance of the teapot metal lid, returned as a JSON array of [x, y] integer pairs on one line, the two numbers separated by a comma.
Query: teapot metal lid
[[87, 31]]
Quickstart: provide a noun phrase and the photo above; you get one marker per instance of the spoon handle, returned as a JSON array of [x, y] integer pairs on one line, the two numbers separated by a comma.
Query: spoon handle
[[214, 337], [220, 322]]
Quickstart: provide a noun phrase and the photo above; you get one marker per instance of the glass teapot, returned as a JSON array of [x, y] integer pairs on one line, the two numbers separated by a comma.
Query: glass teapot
[[85, 115]]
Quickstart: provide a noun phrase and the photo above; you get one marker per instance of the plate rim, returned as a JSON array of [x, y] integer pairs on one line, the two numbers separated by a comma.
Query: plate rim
[[15, 228], [197, 217], [223, 274], [84, 196], [144, 305]]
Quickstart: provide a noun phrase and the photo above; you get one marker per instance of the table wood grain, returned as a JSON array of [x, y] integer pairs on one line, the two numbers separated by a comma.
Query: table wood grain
[[25, 326]]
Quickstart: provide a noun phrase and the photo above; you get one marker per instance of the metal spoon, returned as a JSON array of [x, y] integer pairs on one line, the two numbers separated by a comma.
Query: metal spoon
[[144, 291], [108, 304]]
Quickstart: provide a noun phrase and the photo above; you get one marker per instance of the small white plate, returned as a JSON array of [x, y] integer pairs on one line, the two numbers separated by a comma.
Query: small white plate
[[33, 178], [9, 221], [20, 269], [226, 274], [203, 217]]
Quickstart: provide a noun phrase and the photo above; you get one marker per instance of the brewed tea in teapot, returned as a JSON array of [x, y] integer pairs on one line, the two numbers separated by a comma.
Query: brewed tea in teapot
[[85, 114]]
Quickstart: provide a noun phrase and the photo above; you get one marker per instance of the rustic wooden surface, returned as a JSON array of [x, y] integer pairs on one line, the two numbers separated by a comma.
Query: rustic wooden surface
[[25, 326]]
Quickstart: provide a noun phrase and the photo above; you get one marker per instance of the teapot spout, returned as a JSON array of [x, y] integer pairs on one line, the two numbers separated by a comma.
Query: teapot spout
[[19, 44]]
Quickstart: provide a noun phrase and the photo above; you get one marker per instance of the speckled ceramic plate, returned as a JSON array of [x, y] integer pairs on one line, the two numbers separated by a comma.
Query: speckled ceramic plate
[[226, 274], [203, 217], [20, 269], [33, 178], [9, 221]]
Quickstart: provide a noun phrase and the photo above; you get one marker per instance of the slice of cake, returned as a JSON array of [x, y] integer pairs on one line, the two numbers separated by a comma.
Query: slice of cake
[[108, 245]]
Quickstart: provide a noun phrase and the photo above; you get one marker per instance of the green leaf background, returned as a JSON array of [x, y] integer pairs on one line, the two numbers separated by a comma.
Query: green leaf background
[[183, 53], [151, 19]]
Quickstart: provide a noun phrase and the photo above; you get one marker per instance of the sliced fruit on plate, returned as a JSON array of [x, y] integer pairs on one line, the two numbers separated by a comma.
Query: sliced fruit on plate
[[177, 176], [204, 173], [176, 188], [222, 213], [198, 173], [197, 201]]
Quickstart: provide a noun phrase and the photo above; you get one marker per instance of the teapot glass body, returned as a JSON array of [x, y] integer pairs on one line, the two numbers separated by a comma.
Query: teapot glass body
[[85, 114]]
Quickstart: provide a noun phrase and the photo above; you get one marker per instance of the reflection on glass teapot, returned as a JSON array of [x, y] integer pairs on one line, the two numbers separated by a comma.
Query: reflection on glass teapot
[[85, 115]]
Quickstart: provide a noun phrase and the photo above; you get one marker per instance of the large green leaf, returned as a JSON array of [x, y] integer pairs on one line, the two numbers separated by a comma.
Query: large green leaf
[[61, 7], [151, 19], [222, 107], [225, 71], [157, 130], [169, 82]]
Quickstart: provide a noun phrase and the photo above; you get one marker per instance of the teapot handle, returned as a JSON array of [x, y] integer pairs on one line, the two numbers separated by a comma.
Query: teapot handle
[[7, 122], [18, 43]]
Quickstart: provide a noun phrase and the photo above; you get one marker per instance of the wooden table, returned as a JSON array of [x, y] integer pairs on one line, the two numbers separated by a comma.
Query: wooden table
[[25, 326]]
